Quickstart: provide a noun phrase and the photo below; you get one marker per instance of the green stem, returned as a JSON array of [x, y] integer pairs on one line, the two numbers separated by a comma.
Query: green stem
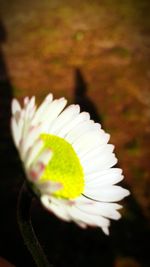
[[26, 229]]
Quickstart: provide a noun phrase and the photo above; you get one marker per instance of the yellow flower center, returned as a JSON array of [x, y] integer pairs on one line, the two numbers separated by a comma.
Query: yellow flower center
[[63, 167]]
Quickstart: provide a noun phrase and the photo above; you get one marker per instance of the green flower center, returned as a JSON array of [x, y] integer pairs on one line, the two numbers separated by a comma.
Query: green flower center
[[63, 167]]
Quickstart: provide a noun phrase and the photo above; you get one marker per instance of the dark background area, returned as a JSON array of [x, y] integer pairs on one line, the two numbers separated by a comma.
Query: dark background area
[[95, 53]]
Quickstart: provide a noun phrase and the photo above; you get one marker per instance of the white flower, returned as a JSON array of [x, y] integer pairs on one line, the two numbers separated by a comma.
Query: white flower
[[68, 160]]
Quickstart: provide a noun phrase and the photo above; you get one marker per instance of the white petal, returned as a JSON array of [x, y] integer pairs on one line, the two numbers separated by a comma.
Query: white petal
[[40, 111], [89, 219], [97, 152], [52, 113], [105, 230], [26, 101], [105, 162], [108, 177], [31, 107], [15, 132], [108, 210], [90, 141], [81, 224], [15, 106], [33, 134], [59, 210], [16, 110], [64, 119], [108, 194], [54, 109], [38, 166], [45, 156], [79, 119], [83, 200], [84, 128], [47, 188], [33, 153], [96, 175]]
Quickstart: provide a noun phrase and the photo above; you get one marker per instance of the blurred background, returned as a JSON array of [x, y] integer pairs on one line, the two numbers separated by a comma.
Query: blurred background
[[95, 53]]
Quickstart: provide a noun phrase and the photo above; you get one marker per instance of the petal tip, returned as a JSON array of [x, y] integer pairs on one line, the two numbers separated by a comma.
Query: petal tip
[[105, 230]]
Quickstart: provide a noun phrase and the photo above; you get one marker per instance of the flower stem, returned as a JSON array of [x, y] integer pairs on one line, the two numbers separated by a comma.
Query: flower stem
[[26, 229]]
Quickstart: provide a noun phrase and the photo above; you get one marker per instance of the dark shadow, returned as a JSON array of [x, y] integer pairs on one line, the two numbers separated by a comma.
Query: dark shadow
[[68, 245], [11, 245], [131, 234], [141, 17], [81, 97]]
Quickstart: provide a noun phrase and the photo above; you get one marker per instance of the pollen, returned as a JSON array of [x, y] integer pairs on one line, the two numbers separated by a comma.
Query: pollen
[[63, 167]]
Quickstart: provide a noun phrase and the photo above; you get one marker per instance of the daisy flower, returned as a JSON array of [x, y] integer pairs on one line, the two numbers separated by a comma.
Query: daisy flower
[[68, 161]]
